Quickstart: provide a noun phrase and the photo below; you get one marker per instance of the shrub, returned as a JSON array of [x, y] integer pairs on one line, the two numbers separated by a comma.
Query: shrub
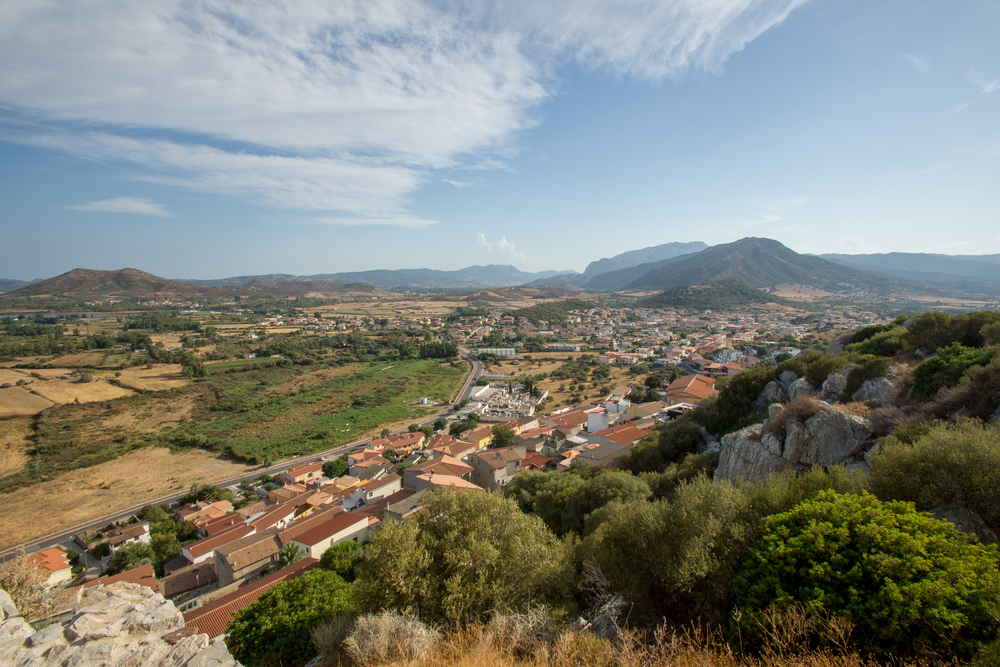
[[952, 464], [341, 559], [521, 635], [389, 637], [128, 557], [275, 630], [23, 582], [328, 637], [800, 409], [868, 368], [910, 583], [737, 403], [947, 367]]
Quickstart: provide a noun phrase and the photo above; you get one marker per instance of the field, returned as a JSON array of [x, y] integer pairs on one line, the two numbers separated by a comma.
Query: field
[[157, 378], [18, 401], [14, 433], [70, 391], [547, 362], [80, 359], [82, 495]]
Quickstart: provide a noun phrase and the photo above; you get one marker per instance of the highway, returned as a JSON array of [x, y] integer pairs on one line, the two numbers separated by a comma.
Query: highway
[[61, 536]]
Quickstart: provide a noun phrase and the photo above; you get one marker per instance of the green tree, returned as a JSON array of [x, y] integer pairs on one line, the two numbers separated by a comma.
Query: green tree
[[165, 547], [440, 424], [289, 554], [503, 436], [909, 582], [335, 467], [128, 557], [466, 556], [341, 559], [275, 630]]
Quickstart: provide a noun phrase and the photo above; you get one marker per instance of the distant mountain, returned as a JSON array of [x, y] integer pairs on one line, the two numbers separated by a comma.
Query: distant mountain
[[927, 266], [9, 284], [643, 256], [760, 263], [124, 283], [619, 278], [239, 281], [493, 275], [719, 295]]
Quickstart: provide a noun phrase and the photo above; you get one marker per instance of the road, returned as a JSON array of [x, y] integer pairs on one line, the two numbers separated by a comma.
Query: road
[[61, 536]]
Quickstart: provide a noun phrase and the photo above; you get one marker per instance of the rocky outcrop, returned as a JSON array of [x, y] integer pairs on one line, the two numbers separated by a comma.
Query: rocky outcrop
[[966, 521], [772, 392], [122, 624], [800, 387], [833, 386], [828, 437], [878, 391]]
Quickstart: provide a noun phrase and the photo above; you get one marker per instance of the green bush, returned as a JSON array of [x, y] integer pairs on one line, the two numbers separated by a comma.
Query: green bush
[[868, 368], [953, 464], [465, 556], [910, 583], [341, 559], [129, 556], [947, 367], [275, 630], [737, 403]]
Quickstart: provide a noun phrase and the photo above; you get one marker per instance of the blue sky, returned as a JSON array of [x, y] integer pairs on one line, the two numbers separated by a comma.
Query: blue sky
[[210, 139]]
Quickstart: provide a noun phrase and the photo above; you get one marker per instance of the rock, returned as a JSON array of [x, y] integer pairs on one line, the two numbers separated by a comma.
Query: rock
[[710, 442], [177, 635], [15, 630], [745, 457], [7, 607], [827, 438], [877, 390], [771, 393], [788, 377], [47, 635], [966, 521], [834, 386], [774, 410], [800, 387], [185, 649], [836, 347], [995, 419], [772, 444], [216, 655], [159, 620]]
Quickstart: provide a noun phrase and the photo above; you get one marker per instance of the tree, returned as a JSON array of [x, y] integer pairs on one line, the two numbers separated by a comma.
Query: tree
[[342, 558], [129, 556], [909, 582], [466, 556], [275, 630], [335, 467], [503, 436], [440, 424], [165, 547], [384, 433], [289, 554]]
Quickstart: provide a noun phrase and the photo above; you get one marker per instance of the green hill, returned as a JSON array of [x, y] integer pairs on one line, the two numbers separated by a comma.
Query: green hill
[[555, 311], [719, 295]]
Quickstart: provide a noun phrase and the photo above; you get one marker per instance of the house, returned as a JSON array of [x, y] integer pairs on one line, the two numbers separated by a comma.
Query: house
[[440, 465], [408, 506], [374, 491], [195, 512], [135, 534], [445, 444], [287, 492], [354, 458], [214, 618], [535, 461], [320, 532], [604, 454], [643, 410], [479, 436], [301, 474], [366, 469], [690, 389], [53, 565], [216, 526], [495, 468], [188, 578], [203, 549], [278, 517], [246, 557], [401, 444], [626, 434], [142, 575]]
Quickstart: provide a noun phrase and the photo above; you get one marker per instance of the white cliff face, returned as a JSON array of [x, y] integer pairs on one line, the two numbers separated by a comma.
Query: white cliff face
[[121, 624]]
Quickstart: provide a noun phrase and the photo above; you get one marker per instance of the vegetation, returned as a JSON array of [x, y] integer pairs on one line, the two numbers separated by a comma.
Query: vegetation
[[722, 294], [129, 556], [341, 559], [554, 311], [275, 630]]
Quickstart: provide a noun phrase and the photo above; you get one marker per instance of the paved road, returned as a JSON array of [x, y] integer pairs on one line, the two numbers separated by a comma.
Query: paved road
[[53, 539]]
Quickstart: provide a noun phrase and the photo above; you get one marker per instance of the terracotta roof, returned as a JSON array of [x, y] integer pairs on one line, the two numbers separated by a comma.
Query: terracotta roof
[[499, 458], [51, 560], [273, 516], [142, 575], [252, 509], [479, 433], [188, 578], [698, 386], [215, 526], [304, 469], [448, 481], [378, 483], [378, 507], [129, 533], [250, 549], [442, 465], [214, 618], [209, 544], [314, 532]]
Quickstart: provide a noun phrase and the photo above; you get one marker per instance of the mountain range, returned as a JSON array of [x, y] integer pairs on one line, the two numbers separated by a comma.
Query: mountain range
[[927, 266]]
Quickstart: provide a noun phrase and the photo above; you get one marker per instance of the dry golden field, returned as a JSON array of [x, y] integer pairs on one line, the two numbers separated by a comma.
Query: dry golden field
[[87, 493], [157, 378], [801, 292], [81, 359], [547, 362], [71, 391], [12, 376], [14, 434], [20, 402]]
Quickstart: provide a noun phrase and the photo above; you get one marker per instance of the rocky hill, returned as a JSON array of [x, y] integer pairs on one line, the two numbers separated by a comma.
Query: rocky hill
[[643, 256], [124, 283], [717, 295], [121, 624]]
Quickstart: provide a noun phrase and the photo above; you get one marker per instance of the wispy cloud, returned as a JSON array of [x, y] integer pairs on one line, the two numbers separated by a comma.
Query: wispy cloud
[[340, 107], [922, 65], [501, 247], [125, 205], [988, 86], [951, 114], [461, 184], [940, 167], [856, 246]]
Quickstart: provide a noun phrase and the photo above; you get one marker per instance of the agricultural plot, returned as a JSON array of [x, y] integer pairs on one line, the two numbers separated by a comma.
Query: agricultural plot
[[14, 435], [158, 378], [11, 376], [72, 391], [81, 359], [20, 402]]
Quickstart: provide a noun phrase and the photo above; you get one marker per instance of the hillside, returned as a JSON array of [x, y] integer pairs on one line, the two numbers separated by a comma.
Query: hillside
[[92, 284], [306, 288], [719, 295], [619, 278], [927, 266], [643, 256], [760, 263], [551, 312], [493, 275], [9, 284]]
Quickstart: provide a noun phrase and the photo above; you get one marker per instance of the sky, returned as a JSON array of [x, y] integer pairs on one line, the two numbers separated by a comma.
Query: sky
[[208, 138]]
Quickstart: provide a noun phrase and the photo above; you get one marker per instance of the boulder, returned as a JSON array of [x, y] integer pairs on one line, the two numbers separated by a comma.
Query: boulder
[[745, 457], [7, 607], [772, 392], [15, 630], [833, 386], [966, 521], [878, 391], [827, 438], [788, 377], [995, 419], [709, 442], [836, 347], [800, 387]]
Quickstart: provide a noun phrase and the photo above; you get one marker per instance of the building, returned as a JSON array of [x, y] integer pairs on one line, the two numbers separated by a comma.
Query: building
[[690, 389], [563, 347], [373, 491], [53, 565], [203, 549], [135, 534], [142, 575], [502, 352], [325, 529], [246, 557], [420, 476], [301, 474], [494, 469]]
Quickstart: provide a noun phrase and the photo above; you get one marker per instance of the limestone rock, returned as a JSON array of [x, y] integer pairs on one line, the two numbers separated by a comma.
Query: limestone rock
[[47, 635], [877, 390], [800, 387], [827, 438], [185, 650], [216, 655], [771, 393], [966, 521], [834, 386], [788, 377], [7, 607], [836, 347], [745, 457], [996, 417], [772, 444], [709, 442], [15, 630]]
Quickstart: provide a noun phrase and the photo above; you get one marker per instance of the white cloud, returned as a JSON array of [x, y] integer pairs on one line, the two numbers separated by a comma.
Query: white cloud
[[341, 106], [922, 65], [988, 86], [856, 246], [501, 247], [125, 205], [459, 184]]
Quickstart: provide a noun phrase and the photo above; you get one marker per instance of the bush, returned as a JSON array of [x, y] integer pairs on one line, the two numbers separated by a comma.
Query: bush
[[952, 464], [867, 369], [341, 559], [737, 403], [128, 557], [389, 637], [522, 635], [467, 555], [947, 367], [800, 409], [328, 637], [909, 582], [275, 630]]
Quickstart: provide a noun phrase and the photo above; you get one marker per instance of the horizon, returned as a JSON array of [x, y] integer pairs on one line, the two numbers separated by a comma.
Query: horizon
[[305, 140]]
